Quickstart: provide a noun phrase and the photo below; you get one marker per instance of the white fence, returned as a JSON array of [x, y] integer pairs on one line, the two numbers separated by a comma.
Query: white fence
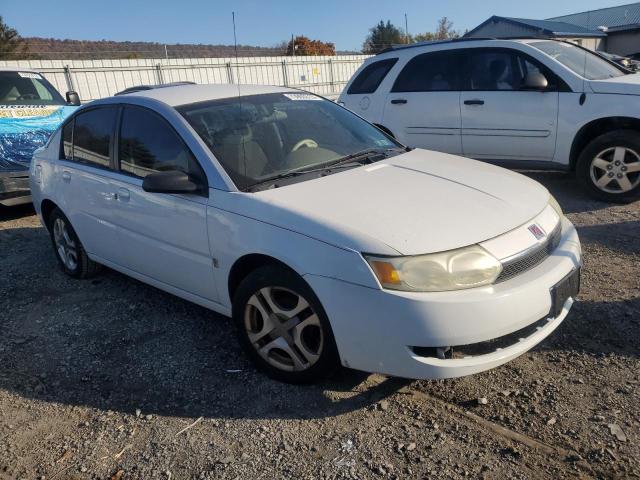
[[92, 79]]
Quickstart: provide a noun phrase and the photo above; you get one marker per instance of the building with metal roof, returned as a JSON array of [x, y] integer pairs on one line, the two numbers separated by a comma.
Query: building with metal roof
[[613, 29]]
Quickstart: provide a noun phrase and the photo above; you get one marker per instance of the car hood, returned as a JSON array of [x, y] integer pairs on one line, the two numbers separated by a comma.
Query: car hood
[[624, 85], [414, 203]]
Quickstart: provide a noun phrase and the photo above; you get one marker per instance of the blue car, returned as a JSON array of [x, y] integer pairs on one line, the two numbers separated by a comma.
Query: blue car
[[31, 109]]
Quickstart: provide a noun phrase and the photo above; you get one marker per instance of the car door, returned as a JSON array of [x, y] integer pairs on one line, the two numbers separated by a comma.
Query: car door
[[500, 119], [85, 167], [162, 236], [423, 107]]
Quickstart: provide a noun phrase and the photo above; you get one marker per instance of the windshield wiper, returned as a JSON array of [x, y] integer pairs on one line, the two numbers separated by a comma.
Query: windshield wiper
[[347, 161], [296, 173]]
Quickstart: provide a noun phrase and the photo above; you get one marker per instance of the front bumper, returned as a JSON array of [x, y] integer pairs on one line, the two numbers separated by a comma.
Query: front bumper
[[377, 330], [14, 188]]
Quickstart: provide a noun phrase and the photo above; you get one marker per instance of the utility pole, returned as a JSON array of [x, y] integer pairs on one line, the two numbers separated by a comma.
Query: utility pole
[[166, 53], [406, 28], [293, 46]]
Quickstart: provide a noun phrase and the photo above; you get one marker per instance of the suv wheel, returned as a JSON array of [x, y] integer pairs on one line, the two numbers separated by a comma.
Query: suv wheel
[[283, 327], [70, 253], [609, 166]]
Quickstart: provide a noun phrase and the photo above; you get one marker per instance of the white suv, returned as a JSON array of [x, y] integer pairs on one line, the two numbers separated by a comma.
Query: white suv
[[519, 103]]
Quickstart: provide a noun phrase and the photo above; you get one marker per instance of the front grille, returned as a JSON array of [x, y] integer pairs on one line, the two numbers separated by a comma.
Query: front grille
[[521, 264]]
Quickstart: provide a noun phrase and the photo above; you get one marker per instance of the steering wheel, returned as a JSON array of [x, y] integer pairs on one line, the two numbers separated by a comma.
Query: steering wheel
[[307, 143]]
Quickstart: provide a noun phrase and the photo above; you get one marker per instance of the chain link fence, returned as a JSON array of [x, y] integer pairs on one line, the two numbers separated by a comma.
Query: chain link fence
[[93, 79]]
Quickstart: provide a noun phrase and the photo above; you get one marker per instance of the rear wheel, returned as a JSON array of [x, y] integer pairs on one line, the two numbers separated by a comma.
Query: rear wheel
[[70, 253], [283, 327], [609, 166]]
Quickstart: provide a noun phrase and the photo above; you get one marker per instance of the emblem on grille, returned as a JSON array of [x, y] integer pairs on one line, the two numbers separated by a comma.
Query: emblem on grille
[[536, 231]]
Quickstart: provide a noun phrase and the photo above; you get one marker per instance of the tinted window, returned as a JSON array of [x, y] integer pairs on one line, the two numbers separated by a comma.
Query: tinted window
[[27, 88], [430, 72], [371, 77], [148, 144], [67, 139], [494, 70], [92, 135]]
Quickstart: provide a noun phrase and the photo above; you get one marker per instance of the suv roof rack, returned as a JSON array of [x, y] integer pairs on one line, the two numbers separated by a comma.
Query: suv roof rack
[[453, 40], [141, 88]]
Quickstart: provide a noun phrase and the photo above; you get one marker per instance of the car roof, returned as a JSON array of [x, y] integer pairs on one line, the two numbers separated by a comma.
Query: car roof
[[186, 94], [17, 69]]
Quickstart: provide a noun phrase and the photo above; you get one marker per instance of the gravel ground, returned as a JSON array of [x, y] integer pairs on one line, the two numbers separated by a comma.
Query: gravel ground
[[110, 378]]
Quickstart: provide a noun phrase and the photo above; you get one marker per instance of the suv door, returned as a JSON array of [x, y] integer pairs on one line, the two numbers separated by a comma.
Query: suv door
[[500, 118], [85, 167], [423, 107], [163, 236]]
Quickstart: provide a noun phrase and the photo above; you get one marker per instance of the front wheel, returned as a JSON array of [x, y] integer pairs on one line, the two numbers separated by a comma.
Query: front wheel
[[609, 166], [283, 327]]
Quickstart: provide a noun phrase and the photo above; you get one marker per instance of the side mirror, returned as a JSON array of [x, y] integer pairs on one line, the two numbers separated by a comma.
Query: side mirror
[[535, 81], [73, 98], [172, 181]]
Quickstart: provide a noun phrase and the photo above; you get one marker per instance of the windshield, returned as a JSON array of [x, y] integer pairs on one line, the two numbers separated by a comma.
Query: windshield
[[579, 60], [259, 137], [27, 88]]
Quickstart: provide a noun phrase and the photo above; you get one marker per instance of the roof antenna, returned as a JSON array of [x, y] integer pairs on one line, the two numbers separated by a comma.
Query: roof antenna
[[235, 47]]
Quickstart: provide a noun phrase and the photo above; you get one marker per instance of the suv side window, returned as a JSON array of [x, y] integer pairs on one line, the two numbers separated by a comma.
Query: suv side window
[[92, 135], [148, 144], [371, 77], [430, 72], [492, 70], [500, 69]]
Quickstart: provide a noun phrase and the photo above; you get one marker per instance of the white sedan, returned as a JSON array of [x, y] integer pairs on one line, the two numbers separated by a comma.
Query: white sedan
[[328, 242]]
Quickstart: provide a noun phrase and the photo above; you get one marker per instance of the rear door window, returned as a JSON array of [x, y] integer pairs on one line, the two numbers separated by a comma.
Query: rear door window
[[430, 72], [92, 136], [371, 76]]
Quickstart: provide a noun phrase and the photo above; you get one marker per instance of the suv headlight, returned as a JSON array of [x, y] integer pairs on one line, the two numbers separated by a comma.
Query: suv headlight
[[555, 205], [467, 267]]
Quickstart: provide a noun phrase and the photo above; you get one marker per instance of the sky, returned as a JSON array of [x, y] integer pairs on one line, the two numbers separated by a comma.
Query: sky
[[262, 23]]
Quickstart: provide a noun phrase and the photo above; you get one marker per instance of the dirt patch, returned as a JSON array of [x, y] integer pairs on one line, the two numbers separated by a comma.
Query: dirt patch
[[111, 378]]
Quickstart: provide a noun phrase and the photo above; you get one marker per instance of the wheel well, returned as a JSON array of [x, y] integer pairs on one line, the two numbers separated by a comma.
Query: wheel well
[[247, 264], [385, 130], [46, 208], [596, 128]]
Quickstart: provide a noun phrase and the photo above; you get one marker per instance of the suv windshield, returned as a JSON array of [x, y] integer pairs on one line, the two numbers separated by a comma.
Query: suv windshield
[[259, 137], [579, 60], [27, 88]]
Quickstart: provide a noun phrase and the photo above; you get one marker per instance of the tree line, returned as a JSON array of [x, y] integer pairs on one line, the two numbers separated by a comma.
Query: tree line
[[381, 36]]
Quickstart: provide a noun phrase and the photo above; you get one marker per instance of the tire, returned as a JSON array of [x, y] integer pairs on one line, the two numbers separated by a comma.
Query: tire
[[68, 249], [269, 307], [609, 166]]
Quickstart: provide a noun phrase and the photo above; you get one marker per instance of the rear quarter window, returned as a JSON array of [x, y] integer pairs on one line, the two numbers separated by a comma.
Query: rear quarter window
[[370, 78]]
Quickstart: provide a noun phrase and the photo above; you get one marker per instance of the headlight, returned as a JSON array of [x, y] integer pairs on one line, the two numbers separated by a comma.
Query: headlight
[[555, 205], [437, 272]]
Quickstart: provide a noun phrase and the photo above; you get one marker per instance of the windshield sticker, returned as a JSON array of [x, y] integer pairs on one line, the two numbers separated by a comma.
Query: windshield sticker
[[21, 111], [30, 75], [301, 96]]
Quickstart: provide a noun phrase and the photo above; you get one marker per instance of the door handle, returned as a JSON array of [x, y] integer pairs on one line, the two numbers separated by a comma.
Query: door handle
[[66, 177], [123, 194], [474, 102], [399, 101]]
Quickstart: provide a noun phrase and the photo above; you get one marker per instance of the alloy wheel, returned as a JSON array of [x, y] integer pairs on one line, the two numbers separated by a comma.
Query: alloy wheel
[[65, 246], [284, 329], [616, 170]]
